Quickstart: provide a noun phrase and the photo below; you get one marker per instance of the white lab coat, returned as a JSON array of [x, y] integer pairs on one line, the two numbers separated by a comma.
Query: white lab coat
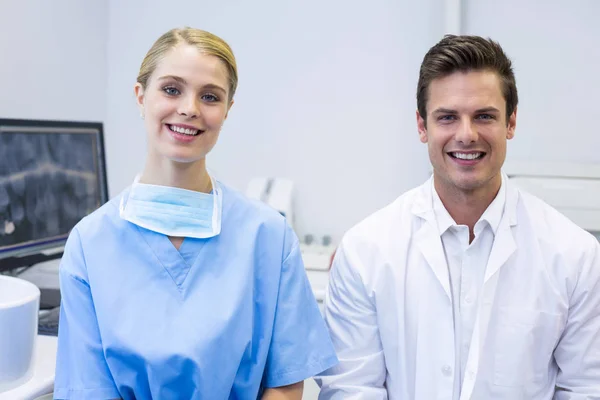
[[388, 308]]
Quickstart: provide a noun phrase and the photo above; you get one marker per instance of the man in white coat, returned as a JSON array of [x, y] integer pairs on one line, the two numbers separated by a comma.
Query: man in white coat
[[465, 287]]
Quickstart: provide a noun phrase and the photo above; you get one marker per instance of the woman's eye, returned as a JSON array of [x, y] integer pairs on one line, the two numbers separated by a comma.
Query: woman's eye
[[171, 91], [210, 98]]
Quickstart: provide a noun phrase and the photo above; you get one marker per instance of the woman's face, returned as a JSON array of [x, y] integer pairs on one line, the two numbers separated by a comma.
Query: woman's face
[[184, 104]]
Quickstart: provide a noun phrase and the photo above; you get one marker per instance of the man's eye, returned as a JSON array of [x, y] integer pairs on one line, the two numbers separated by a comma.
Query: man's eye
[[447, 118], [485, 116]]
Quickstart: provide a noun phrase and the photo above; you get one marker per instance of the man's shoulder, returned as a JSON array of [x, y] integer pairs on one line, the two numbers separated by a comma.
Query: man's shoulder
[[379, 225], [552, 227]]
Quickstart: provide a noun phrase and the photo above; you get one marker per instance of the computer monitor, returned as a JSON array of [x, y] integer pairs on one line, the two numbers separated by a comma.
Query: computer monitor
[[52, 174]]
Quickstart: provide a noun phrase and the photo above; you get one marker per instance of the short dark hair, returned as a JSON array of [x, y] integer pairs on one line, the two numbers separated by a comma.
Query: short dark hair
[[466, 53]]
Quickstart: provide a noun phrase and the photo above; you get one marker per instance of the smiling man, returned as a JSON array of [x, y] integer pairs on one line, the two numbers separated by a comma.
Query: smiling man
[[465, 287]]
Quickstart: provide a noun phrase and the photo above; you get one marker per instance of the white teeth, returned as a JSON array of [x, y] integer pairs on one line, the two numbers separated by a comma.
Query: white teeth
[[467, 156], [184, 131]]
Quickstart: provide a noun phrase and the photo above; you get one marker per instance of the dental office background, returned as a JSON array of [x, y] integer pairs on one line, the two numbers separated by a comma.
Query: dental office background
[[327, 88]]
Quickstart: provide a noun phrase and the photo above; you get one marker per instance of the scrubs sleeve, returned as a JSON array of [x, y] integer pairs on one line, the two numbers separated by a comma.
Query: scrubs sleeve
[[81, 369], [300, 345]]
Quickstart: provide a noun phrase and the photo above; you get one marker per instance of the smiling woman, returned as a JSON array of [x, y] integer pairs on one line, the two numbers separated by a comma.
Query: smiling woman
[[180, 287], [185, 90]]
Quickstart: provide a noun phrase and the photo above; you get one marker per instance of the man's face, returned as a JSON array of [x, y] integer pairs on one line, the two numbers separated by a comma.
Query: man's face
[[466, 130]]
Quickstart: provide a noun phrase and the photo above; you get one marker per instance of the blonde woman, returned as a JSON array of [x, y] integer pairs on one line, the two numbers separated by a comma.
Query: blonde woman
[[180, 287]]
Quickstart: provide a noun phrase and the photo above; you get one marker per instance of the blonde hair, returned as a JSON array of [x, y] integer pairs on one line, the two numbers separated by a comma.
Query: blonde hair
[[206, 42]]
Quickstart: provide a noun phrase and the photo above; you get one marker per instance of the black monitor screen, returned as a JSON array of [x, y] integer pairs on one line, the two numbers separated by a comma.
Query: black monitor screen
[[52, 174]]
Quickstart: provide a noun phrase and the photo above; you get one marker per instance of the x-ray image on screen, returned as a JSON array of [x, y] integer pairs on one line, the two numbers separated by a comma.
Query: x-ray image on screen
[[50, 178]]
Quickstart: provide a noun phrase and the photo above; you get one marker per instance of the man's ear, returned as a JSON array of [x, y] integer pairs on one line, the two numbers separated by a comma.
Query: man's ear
[[422, 127], [512, 125]]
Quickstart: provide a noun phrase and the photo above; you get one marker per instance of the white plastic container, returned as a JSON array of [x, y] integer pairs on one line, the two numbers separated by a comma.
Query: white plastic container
[[19, 306]]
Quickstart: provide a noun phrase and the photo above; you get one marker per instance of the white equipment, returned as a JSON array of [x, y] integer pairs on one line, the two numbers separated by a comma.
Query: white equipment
[[276, 192], [317, 257], [19, 305], [573, 189]]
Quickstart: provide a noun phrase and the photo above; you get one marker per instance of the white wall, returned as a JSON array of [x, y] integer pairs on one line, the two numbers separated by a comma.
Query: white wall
[[554, 47], [53, 62], [326, 92], [326, 97]]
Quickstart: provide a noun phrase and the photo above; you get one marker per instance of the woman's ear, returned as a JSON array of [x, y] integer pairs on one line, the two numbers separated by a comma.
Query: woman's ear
[[138, 90]]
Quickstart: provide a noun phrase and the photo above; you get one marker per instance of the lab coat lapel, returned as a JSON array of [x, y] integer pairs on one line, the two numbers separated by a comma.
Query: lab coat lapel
[[480, 330], [428, 238], [504, 243], [503, 248]]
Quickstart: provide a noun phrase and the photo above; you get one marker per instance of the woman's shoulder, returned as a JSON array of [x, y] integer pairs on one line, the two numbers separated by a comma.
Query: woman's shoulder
[[102, 219], [237, 203], [253, 217]]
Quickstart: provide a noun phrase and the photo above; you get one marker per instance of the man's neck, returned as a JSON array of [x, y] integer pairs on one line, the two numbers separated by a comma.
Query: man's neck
[[467, 206]]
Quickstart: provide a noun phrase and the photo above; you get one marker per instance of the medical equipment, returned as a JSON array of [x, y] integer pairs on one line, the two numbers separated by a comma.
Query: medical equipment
[[276, 192], [19, 303], [52, 174], [317, 257], [42, 381], [48, 322], [573, 189]]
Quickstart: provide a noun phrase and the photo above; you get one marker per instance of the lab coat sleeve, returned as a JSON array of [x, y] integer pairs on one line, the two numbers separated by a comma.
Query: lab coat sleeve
[[351, 318], [300, 344], [578, 352], [81, 369]]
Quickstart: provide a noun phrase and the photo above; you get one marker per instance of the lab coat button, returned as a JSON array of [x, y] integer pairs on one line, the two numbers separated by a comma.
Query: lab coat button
[[446, 370]]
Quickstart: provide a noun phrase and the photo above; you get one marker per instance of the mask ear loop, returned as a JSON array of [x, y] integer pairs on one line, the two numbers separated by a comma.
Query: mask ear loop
[[122, 204], [217, 206]]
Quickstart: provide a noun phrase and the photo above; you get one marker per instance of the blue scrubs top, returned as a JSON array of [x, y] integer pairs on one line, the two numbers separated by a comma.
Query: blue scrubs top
[[222, 318]]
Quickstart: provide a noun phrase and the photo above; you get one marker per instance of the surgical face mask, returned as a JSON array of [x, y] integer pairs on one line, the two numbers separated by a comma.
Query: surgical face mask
[[173, 211]]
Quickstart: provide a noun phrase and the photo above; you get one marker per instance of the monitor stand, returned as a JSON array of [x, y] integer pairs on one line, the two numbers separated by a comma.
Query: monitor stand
[[49, 298], [10, 263]]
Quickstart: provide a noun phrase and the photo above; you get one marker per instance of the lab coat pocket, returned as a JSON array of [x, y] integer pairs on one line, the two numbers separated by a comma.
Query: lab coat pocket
[[525, 341]]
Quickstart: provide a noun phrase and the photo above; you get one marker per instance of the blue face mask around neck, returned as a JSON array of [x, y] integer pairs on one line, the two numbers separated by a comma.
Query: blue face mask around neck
[[173, 211]]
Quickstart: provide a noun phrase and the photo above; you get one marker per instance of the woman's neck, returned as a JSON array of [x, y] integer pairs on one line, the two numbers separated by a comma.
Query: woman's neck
[[164, 172]]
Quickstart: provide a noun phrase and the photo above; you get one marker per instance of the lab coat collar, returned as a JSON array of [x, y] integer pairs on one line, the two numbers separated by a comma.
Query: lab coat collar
[[491, 216], [423, 205], [429, 241], [494, 213], [443, 218]]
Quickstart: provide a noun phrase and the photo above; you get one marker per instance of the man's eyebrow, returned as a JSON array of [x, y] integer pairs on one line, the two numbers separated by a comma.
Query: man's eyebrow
[[442, 110], [487, 110]]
